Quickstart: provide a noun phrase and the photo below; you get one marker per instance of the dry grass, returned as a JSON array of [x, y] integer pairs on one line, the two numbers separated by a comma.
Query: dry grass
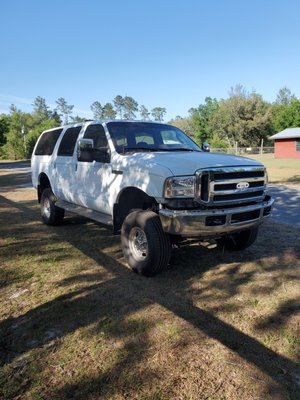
[[76, 323], [280, 170]]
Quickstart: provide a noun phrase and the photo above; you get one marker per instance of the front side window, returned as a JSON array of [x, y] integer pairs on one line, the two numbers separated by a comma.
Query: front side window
[[298, 145], [141, 136], [67, 145], [47, 142], [97, 133]]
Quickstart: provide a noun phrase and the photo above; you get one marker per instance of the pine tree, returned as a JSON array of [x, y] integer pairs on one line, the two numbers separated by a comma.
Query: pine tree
[[64, 108]]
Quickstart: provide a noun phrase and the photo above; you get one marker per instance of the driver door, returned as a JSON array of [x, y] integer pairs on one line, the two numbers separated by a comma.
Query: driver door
[[93, 176]]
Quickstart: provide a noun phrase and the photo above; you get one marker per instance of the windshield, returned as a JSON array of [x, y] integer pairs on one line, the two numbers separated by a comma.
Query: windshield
[[145, 136]]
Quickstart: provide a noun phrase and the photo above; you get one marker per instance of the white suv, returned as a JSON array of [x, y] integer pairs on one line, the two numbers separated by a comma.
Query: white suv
[[153, 184]]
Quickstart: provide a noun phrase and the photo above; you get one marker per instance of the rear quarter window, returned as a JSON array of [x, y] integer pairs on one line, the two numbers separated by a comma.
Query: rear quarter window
[[47, 142]]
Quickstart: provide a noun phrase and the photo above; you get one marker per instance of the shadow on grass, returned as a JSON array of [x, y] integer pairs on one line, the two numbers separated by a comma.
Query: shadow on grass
[[281, 316], [10, 276], [293, 179], [24, 206], [118, 293]]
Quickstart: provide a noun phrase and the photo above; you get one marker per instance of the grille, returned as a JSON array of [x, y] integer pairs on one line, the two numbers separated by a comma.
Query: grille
[[230, 185]]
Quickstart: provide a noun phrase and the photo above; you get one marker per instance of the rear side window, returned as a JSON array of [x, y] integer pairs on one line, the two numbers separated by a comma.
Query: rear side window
[[47, 142], [67, 145]]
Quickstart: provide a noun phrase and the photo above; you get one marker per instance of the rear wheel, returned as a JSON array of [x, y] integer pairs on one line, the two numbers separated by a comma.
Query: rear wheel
[[145, 245], [238, 241], [51, 214]]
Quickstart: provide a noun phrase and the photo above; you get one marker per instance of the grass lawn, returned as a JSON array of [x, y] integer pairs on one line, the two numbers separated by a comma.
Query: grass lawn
[[76, 323], [280, 170]]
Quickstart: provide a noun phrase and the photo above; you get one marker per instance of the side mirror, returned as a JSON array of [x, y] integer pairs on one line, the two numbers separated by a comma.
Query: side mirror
[[88, 153], [85, 150], [205, 146]]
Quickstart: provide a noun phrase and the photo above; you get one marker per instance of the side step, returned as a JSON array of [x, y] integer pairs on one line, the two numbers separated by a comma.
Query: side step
[[85, 212]]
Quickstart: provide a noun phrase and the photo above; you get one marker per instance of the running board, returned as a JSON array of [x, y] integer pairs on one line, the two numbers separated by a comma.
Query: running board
[[85, 212]]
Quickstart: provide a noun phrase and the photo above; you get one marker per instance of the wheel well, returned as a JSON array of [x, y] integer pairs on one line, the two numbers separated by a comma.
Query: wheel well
[[131, 199], [43, 184]]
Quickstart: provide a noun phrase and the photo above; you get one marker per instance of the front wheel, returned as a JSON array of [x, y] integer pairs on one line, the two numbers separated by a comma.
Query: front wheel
[[51, 214], [145, 245], [238, 241]]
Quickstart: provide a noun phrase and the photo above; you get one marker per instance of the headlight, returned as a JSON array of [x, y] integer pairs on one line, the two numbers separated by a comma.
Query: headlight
[[179, 186]]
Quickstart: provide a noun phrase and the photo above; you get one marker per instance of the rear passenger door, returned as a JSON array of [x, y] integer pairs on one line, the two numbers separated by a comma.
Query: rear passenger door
[[65, 166]]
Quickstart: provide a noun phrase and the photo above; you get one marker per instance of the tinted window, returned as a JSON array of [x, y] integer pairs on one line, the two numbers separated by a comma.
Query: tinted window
[[97, 133], [171, 137], [297, 145], [47, 142], [144, 138], [141, 136], [67, 145]]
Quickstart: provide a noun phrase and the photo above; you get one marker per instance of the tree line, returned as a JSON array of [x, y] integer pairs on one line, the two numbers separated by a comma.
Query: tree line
[[126, 108], [244, 118], [19, 130]]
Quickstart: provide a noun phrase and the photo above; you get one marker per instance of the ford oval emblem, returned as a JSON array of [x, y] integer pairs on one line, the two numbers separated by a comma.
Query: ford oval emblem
[[242, 185]]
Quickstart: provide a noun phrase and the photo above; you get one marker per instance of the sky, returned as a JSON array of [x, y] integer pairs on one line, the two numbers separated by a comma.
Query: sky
[[167, 53]]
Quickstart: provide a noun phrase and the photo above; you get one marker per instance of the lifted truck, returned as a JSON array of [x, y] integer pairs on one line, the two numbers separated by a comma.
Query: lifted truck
[[152, 184]]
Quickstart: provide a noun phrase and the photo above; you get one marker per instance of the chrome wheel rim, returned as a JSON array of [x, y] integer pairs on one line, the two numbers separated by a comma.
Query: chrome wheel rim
[[138, 244]]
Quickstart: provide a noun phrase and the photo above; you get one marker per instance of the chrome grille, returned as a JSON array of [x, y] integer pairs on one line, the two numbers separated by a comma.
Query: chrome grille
[[230, 185]]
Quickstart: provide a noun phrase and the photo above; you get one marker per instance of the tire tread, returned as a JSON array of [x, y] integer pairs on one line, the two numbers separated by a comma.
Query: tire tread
[[160, 241], [57, 214]]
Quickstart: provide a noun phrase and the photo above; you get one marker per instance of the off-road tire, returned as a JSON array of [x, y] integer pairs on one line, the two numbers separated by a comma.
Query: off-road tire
[[146, 247], [51, 214], [238, 241]]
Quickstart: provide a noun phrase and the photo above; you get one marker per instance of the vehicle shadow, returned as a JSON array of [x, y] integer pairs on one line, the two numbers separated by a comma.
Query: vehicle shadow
[[125, 293]]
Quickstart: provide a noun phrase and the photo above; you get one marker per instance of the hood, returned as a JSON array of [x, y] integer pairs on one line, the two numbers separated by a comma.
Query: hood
[[187, 163]]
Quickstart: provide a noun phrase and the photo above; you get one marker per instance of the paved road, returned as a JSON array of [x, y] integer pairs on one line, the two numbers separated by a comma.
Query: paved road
[[21, 169], [287, 204], [23, 166], [287, 198]]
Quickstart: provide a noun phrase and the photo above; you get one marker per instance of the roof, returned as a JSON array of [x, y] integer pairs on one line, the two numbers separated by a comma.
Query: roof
[[290, 133], [104, 121]]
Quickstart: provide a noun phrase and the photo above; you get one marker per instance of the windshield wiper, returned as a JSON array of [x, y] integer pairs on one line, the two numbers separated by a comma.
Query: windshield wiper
[[179, 149], [149, 149], [139, 149]]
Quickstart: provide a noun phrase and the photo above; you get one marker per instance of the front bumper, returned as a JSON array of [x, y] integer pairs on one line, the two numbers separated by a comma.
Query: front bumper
[[212, 223]]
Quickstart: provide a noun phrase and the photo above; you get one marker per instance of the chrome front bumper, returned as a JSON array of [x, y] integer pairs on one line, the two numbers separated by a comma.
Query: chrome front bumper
[[210, 223]]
